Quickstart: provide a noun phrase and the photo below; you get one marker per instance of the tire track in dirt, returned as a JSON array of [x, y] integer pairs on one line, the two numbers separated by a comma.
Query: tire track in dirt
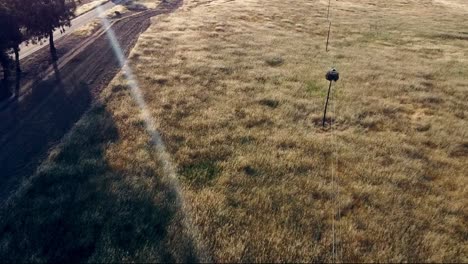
[[32, 125]]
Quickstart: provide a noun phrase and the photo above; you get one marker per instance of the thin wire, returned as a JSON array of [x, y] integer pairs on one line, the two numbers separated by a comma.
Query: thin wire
[[335, 189], [336, 203], [336, 178], [333, 205]]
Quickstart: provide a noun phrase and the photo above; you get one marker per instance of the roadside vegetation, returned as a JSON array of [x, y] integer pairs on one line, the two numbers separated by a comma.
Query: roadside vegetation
[[89, 6], [237, 90], [116, 12]]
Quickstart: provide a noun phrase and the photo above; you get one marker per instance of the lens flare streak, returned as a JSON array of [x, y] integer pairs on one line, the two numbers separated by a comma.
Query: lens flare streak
[[156, 140]]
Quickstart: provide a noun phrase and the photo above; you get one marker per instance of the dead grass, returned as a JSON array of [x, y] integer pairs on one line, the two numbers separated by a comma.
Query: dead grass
[[89, 6], [244, 131], [116, 11], [130, 5], [113, 13], [88, 29]]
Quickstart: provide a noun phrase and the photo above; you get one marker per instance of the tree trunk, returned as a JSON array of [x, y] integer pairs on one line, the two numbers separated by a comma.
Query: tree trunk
[[4, 92], [6, 74], [17, 59], [53, 50], [5, 66]]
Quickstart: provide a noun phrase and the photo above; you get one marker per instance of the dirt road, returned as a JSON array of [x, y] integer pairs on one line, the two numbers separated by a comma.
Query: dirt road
[[49, 107]]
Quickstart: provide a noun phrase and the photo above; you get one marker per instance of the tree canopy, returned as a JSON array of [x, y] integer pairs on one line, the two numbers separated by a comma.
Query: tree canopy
[[44, 16], [10, 35], [35, 19], [32, 20]]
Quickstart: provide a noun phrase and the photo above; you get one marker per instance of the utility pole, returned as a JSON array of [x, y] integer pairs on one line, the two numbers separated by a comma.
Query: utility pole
[[331, 76]]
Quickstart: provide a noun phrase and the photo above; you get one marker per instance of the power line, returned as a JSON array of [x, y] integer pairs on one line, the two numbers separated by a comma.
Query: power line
[[333, 75], [339, 238]]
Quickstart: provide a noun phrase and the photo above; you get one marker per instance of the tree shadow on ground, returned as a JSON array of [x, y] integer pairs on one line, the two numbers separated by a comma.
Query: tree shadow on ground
[[5, 92], [30, 127], [77, 208]]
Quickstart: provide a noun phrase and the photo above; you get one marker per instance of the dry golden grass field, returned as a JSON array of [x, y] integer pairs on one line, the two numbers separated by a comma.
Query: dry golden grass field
[[237, 88]]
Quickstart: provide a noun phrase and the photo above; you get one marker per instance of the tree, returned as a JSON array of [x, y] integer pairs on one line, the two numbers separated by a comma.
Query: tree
[[4, 57], [10, 36], [5, 62], [43, 17]]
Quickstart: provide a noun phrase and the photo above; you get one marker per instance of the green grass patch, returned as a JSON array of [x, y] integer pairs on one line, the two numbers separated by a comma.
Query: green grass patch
[[315, 89], [201, 173]]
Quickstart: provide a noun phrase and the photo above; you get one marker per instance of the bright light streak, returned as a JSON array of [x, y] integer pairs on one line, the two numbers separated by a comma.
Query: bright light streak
[[138, 96], [156, 139]]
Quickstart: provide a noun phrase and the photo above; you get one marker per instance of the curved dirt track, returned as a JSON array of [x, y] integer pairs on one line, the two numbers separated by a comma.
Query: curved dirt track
[[47, 108]]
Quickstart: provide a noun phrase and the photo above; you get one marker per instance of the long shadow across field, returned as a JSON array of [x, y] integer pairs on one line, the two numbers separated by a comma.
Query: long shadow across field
[[59, 104], [34, 123], [77, 208]]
